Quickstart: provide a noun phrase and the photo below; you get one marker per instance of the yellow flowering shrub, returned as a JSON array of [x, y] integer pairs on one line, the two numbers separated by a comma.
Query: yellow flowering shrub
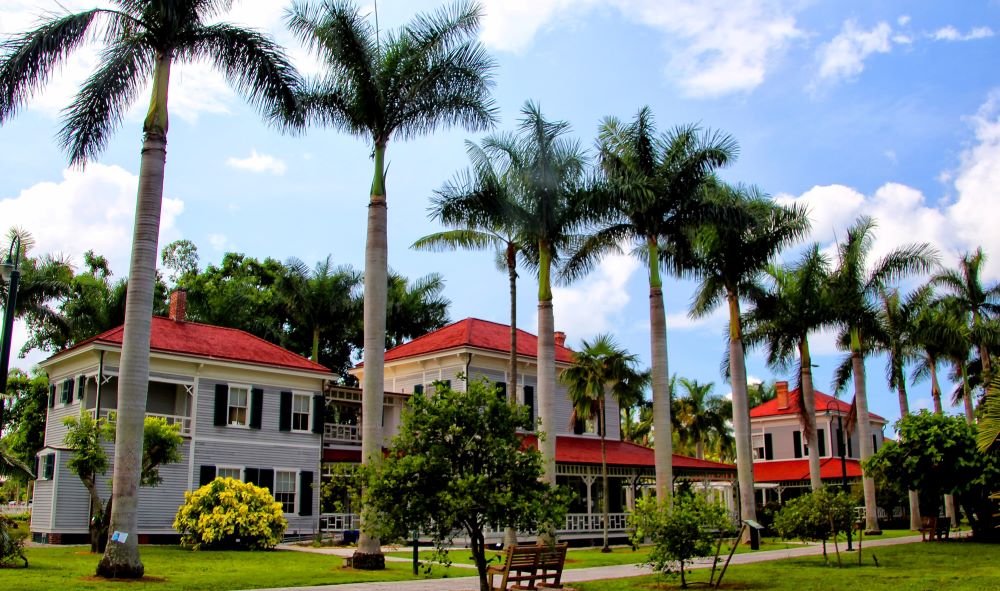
[[229, 514]]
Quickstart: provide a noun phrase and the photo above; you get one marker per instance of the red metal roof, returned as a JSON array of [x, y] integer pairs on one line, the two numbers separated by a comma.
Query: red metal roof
[[785, 470], [770, 408], [587, 450], [212, 342], [475, 333]]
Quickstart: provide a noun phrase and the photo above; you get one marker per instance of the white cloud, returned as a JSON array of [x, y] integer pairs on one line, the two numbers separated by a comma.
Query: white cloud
[[950, 33], [597, 303], [713, 322], [844, 56], [903, 20], [89, 209], [717, 47], [258, 163], [218, 241]]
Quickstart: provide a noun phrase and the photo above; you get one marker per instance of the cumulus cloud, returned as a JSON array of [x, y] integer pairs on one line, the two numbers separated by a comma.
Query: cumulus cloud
[[597, 303], [950, 33], [258, 163], [717, 46], [844, 56], [89, 209]]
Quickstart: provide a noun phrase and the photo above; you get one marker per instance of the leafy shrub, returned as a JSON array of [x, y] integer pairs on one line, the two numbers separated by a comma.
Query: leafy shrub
[[229, 514], [681, 532], [11, 541], [815, 516]]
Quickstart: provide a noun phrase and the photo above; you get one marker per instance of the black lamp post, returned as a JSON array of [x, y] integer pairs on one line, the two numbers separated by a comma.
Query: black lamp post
[[10, 270], [842, 452]]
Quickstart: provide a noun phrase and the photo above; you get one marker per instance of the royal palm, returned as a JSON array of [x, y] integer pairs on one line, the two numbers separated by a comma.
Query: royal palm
[[652, 196], [856, 284], [142, 39], [703, 418], [382, 86], [727, 256]]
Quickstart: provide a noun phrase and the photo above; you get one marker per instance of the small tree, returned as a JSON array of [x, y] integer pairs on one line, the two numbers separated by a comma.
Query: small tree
[[680, 531], [816, 517], [937, 455], [86, 437], [459, 464], [227, 514]]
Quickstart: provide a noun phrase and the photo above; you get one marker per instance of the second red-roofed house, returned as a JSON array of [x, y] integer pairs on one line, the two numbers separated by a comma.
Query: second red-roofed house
[[781, 452]]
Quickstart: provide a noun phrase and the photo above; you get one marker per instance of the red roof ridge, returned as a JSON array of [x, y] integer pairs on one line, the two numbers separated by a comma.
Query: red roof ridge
[[822, 399]]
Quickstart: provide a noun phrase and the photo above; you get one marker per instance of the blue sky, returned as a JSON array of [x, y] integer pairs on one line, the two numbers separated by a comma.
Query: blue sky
[[888, 108]]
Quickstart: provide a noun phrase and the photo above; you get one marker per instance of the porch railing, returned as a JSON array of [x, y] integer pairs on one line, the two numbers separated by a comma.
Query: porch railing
[[338, 522], [185, 422], [576, 523], [335, 433]]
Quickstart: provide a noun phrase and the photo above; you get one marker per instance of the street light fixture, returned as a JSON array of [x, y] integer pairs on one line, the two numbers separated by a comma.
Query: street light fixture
[[10, 270], [842, 452]]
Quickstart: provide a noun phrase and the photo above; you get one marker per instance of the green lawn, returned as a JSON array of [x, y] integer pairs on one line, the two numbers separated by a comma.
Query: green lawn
[[590, 557], [955, 566], [172, 568]]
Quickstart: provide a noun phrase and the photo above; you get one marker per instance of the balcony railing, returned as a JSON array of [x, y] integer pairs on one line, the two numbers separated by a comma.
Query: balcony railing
[[338, 522], [334, 433], [184, 422], [576, 523]]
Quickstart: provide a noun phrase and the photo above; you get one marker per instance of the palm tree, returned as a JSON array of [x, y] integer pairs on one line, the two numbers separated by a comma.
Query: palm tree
[[481, 230], [702, 417], [432, 73], [896, 338], [546, 170], [792, 303], [143, 40], [728, 257], [981, 303], [602, 366], [940, 333], [318, 299], [637, 423], [760, 392], [856, 285], [414, 308], [654, 187]]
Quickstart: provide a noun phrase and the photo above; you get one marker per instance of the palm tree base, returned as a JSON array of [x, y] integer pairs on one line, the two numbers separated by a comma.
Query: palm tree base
[[113, 569], [606, 549], [364, 561]]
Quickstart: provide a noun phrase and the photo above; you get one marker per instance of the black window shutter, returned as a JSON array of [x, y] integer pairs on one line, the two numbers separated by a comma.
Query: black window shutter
[[81, 387], [768, 447], [821, 438], [502, 389], [67, 391], [447, 384], [850, 448], [221, 405], [797, 443], [256, 407], [252, 475], [52, 396], [305, 493], [206, 474], [267, 480], [579, 426], [285, 412], [318, 415], [418, 389], [529, 401], [874, 443]]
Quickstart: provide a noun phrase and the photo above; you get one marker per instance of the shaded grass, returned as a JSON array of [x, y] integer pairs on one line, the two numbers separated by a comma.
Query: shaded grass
[[955, 566], [170, 568]]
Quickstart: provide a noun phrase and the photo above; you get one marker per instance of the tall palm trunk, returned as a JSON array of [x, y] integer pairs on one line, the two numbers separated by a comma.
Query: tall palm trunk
[[546, 377], [864, 429], [121, 559], [904, 409], [510, 534], [376, 288], [663, 444], [315, 349], [970, 411], [605, 501], [809, 413], [935, 385], [741, 410], [984, 352]]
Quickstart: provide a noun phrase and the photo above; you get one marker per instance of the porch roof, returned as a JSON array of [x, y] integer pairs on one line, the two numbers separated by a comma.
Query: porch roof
[[793, 470], [587, 450]]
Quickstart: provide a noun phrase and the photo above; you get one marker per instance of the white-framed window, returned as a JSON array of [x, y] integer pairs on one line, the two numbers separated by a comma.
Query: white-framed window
[[285, 489], [239, 406], [758, 446], [234, 472], [301, 411]]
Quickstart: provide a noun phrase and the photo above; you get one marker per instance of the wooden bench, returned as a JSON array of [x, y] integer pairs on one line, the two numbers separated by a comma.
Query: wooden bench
[[529, 568], [935, 528]]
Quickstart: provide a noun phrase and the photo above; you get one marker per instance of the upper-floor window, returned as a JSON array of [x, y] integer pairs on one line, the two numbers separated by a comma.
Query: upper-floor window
[[229, 472], [284, 490], [239, 397], [763, 447], [301, 412]]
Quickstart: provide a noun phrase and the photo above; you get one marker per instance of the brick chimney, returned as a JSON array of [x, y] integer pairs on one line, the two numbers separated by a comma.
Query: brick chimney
[[781, 388], [178, 305], [560, 339]]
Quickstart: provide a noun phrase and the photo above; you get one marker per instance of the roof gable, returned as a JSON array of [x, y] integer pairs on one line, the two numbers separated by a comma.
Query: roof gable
[[210, 342], [477, 334], [770, 408]]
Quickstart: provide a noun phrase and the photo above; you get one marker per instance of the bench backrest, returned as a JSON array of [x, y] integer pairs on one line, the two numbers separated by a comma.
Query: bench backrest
[[522, 558]]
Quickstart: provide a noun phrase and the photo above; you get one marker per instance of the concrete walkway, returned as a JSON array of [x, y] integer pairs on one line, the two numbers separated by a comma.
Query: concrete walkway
[[569, 575]]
